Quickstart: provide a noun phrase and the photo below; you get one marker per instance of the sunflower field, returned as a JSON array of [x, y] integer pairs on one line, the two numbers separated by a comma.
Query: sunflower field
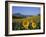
[[28, 23]]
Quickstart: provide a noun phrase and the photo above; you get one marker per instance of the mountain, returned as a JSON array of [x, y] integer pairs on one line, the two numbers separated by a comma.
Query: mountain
[[19, 14]]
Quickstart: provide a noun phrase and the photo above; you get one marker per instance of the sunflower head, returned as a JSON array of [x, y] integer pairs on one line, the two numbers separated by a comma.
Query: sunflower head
[[25, 23], [33, 23]]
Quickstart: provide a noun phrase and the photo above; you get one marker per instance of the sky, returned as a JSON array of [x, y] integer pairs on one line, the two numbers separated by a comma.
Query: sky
[[26, 10]]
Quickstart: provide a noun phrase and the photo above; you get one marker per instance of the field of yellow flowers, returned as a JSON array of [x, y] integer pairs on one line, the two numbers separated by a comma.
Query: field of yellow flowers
[[28, 23]]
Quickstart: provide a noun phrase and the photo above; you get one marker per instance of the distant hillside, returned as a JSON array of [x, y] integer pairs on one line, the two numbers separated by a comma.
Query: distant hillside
[[19, 15]]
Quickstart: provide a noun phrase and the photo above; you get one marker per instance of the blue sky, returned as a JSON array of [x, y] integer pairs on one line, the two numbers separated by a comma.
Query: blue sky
[[26, 10]]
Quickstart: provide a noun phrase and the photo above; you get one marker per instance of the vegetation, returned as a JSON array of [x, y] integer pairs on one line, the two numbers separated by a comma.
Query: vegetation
[[28, 23]]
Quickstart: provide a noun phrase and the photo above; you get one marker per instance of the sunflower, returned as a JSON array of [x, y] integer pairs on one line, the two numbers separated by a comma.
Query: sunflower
[[33, 24], [25, 23]]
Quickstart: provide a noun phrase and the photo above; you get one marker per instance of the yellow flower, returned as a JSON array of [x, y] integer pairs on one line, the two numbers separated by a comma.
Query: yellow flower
[[25, 23], [34, 25]]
